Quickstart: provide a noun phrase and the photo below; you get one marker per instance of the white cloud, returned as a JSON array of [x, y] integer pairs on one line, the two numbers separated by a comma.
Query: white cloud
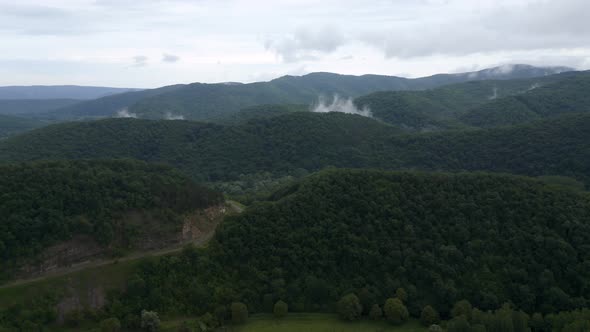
[[95, 41]]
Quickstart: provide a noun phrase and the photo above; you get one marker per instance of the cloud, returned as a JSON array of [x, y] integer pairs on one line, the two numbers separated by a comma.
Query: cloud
[[306, 44], [140, 60], [170, 116], [340, 105], [124, 113], [170, 58]]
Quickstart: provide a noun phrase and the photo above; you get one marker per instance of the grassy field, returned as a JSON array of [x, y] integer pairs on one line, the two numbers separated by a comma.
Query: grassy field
[[317, 323], [105, 277]]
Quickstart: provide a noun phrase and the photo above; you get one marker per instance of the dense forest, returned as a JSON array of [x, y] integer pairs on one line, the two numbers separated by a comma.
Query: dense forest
[[289, 143], [566, 96], [481, 103], [205, 101], [13, 125], [443, 241], [44, 203]]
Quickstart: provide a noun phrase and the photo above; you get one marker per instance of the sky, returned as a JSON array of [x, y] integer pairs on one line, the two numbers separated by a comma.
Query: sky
[[152, 43]]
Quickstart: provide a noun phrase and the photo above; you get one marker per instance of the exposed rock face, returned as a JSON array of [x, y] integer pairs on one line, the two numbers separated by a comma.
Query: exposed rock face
[[151, 233], [78, 250]]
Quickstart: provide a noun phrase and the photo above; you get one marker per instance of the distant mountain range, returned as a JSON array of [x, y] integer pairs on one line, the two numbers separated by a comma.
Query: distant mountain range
[[200, 101], [58, 92]]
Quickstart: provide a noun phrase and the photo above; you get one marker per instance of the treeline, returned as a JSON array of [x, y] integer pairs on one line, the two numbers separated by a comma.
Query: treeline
[[290, 143], [43, 203]]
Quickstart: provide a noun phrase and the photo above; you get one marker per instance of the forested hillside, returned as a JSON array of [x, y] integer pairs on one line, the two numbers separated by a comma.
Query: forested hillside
[[481, 103], [441, 238], [58, 92], [33, 106], [570, 95], [311, 141], [205, 101], [107, 106], [43, 203], [12, 125]]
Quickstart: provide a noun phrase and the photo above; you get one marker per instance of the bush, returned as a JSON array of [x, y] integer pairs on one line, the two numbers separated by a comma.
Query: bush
[[376, 313], [150, 321], [429, 316], [239, 313], [280, 309], [110, 325], [395, 311], [349, 307]]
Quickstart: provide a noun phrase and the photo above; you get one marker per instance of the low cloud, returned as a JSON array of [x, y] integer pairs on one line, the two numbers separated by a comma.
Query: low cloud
[[124, 113], [170, 116], [170, 58], [341, 105]]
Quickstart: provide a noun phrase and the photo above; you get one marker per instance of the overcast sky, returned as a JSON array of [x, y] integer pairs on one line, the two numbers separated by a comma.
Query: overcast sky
[[150, 43]]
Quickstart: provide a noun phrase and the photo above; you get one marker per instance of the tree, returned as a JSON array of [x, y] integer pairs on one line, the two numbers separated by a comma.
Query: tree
[[280, 309], [459, 324], [110, 325], [239, 313], [435, 328], [429, 316], [537, 323], [462, 307], [401, 294], [220, 314], [349, 307], [376, 313], [395, 311], [150, 321]]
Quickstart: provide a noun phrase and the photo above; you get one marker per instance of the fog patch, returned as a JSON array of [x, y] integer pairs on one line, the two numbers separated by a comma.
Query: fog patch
[[341, 105], [494, 94], [124, 113], [170, 116]]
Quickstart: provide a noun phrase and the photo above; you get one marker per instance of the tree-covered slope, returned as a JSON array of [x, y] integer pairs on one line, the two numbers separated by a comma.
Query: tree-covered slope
[[311, 141], [486, 238], [58, 92], [259, 112], [204, 101], [107, 106], [44, 203], [33, 106], [12, 125], [457, 105], [570, 95]]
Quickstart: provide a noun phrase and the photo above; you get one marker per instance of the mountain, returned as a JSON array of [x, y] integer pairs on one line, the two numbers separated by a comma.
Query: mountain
[[33, 106], [205, 101], [310, 141], [441, 237], [470, 104], [433, 239], [571, 95], [103, 203], [107, 106], [12, 125], [58, 92]]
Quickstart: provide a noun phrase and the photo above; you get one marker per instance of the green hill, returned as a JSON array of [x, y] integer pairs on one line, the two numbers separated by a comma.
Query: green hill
[[486, 238], [480, 103], [106, 106], [46, 203], [311, 141], [205, 101], [12, 125], [571, 95], [33, 106]]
